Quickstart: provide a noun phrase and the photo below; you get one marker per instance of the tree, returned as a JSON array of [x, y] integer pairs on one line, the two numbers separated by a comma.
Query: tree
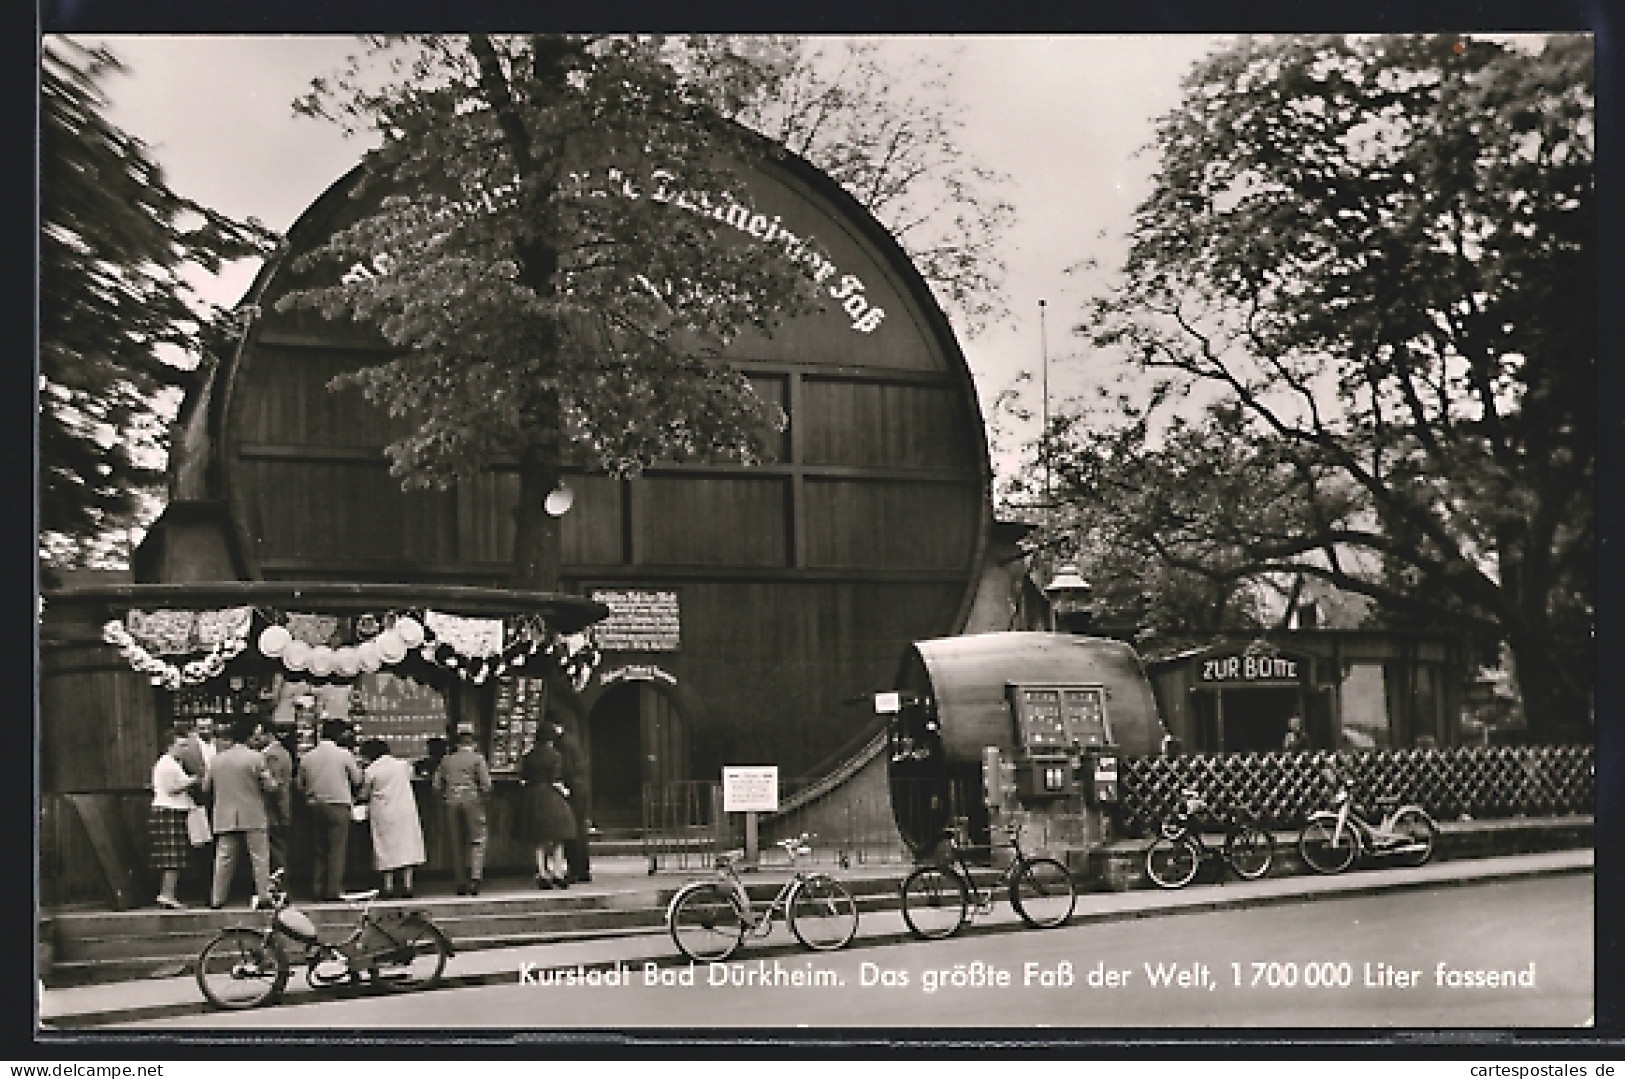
[[1380, 251], [118, 325], [888, 133], [540, 262], [1160, 520], [548, 292]]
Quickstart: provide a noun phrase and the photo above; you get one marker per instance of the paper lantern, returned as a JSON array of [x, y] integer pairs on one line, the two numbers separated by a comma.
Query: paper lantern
[[347, 661], [296, 656], [391, 649], [321, 661], [367, 655], [410, 630], [273, 639]]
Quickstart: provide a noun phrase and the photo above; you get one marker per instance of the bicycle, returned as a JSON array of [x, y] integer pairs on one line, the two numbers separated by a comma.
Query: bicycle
[[1177, 854], [1333, 839], [708, 919], [936, 898], [243, 966]]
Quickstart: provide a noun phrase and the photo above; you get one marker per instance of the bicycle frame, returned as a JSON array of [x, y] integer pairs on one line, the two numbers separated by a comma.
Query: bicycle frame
[[758, 927], [958, 864], [1367, 836], [314, 952]]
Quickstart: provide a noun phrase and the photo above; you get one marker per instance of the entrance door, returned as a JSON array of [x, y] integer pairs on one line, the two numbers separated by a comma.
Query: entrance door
[[637, 738]]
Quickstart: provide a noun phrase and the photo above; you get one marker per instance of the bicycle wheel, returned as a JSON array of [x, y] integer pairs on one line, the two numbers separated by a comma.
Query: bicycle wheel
[[822, 913], [934, 902], [1042, 893], [1249, 850], [705, 925], [1419, 834], [1324, 851], [1172, 863], [241, 968], [418, 963]]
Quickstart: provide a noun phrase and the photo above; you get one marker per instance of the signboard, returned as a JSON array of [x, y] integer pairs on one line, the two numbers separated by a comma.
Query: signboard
[[521, 707], [1056, 718], [639, 620], [637, 672], [401, 710], [750, 789], [1252, 665]]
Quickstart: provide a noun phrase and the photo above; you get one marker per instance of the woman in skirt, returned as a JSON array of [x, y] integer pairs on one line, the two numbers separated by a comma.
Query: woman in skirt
[[547, 815], [169, 844]]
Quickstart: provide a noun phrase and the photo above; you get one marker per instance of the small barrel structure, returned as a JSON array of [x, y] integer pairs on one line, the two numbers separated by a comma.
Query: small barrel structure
[[955, 700]]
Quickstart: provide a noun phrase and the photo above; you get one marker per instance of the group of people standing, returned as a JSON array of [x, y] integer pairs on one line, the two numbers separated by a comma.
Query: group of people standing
[[233, 788]]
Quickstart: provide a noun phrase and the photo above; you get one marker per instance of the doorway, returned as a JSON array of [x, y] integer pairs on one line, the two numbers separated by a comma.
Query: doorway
[[636, 737], [1237, 720]]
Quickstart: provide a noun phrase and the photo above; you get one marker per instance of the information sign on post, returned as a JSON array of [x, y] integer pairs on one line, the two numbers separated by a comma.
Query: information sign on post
[[750, 789]]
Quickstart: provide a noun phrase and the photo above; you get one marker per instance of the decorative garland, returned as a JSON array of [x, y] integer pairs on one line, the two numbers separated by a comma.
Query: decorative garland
[[388, 640], [163, 673]]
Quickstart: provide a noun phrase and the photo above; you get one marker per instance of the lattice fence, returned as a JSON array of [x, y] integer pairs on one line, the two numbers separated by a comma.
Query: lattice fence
[[1280, 789]]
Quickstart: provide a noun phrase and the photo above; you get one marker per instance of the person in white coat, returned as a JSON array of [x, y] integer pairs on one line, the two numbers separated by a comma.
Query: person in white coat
[[392, 815]]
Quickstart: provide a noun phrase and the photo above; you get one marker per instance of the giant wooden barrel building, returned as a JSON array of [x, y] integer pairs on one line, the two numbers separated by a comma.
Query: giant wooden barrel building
[[750, 605]]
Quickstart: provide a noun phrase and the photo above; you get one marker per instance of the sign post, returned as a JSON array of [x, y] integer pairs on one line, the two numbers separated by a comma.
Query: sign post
[[750, 789]]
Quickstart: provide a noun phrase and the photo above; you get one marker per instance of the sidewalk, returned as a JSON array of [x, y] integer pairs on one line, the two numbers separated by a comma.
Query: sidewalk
[[92, 1005]]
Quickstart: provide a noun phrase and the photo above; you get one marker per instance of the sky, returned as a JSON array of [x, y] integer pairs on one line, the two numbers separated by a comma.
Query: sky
[[1064, 116]]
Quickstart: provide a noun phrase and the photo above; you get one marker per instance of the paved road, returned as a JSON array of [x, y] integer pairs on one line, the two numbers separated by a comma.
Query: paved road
[[1391, 960]]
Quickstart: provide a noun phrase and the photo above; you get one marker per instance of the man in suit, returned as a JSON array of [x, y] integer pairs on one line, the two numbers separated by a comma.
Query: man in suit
[[279, 802], [238, 780], [329, 778]]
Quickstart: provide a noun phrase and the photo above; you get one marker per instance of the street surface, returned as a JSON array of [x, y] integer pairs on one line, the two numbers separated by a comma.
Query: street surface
[[1414, 958]]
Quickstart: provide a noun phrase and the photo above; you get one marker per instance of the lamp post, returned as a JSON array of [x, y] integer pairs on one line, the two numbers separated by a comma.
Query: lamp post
[[1071, 606], [1043, 431]]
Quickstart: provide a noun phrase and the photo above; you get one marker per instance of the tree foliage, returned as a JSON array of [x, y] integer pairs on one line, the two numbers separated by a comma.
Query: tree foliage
[[118, 325], [1160, 520], [888, 131], [1379, 251]]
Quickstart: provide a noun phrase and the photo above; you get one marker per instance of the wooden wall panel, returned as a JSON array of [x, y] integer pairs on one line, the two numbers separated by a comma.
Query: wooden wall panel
[[592, 533], [286, 400], [773, 664], [301, 509], [485, 523], [103, 728], [884, 425], [711, 521], [890, 524], [774, 389]]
